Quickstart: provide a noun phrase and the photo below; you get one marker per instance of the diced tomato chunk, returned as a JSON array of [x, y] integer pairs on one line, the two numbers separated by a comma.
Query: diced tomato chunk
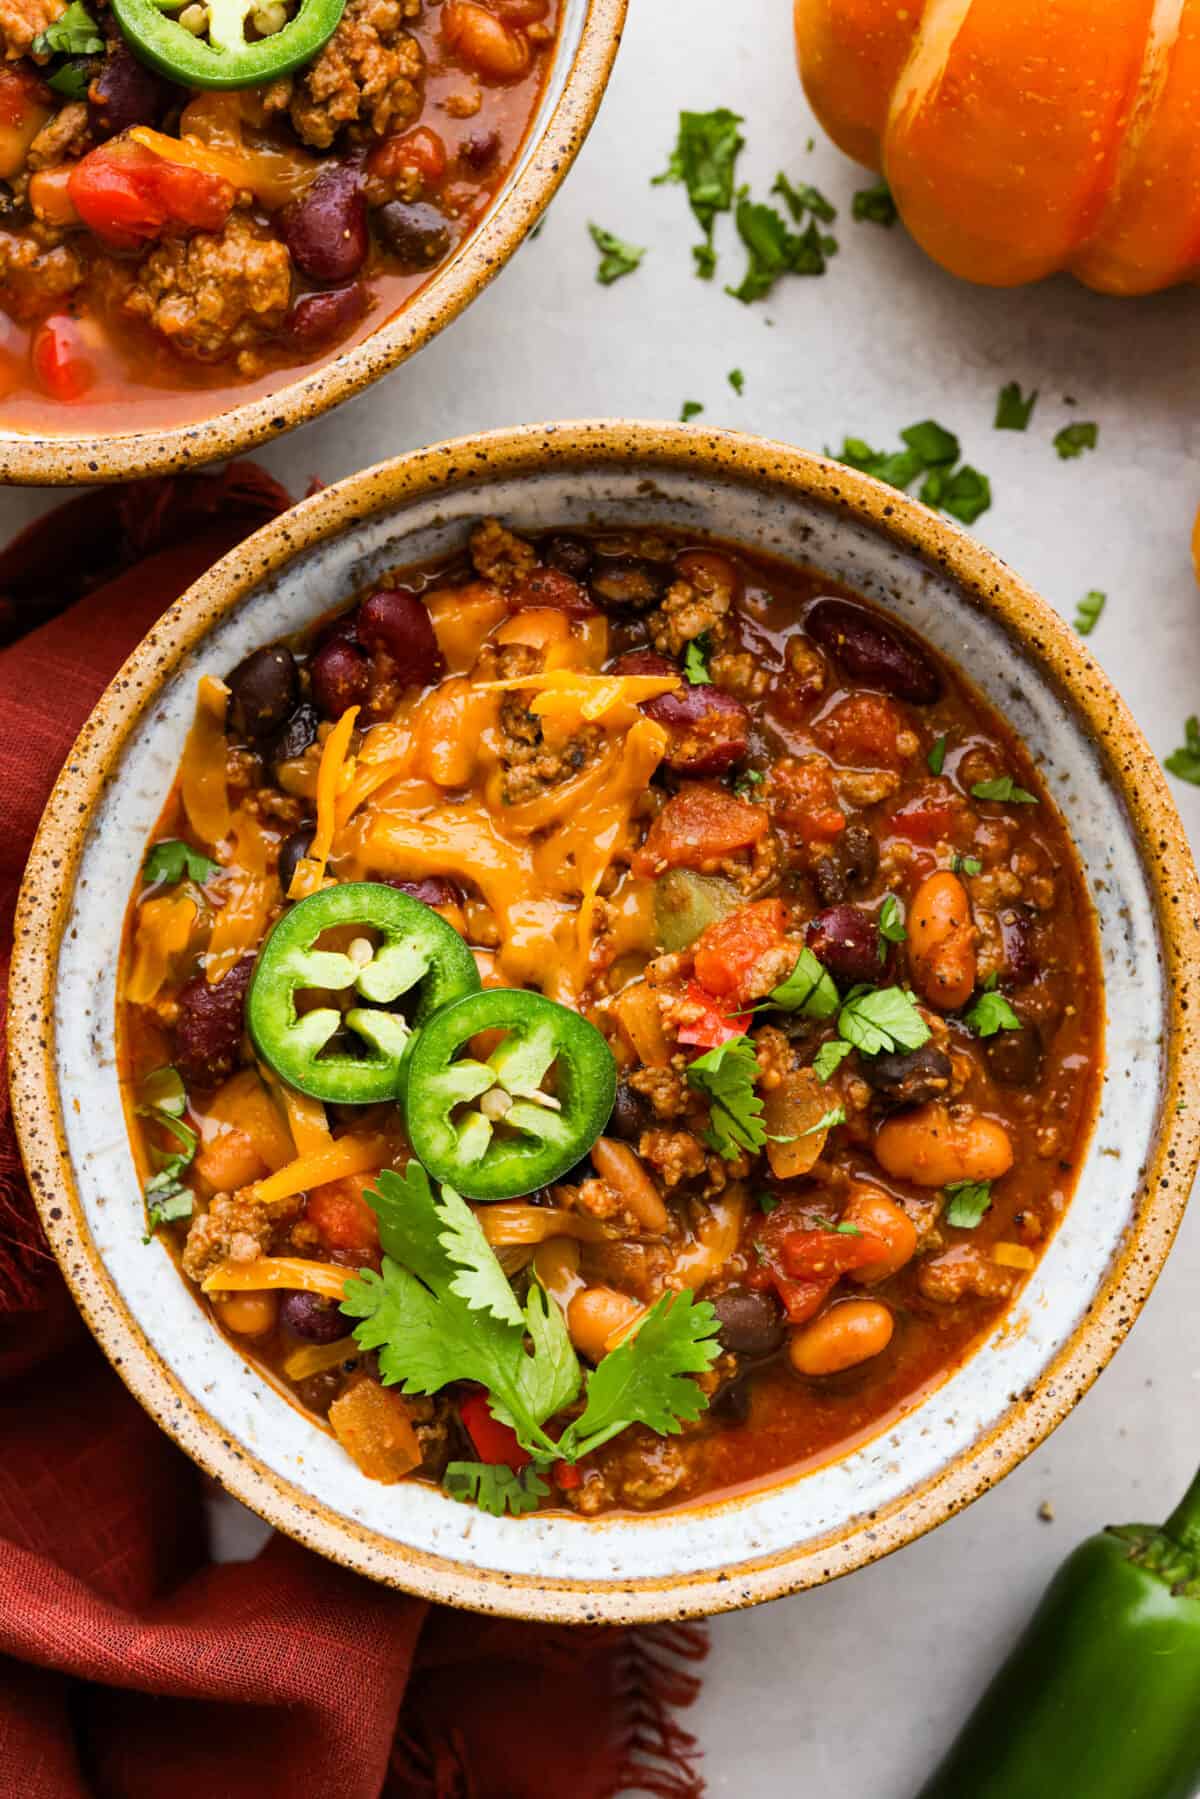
[[566, 1477], [698, 829], [342, 1216], [59, 358], [127, 194], [728, 952], [929, 818], [422, 150], [861, 731], [715, 1024], [494, 1442], [801, 1300], [822, 1255], [804, 800]]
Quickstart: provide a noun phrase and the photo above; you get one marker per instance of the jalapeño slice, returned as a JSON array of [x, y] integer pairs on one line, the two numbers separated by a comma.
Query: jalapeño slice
[[498, 1128], [221, 55], [404, 948]]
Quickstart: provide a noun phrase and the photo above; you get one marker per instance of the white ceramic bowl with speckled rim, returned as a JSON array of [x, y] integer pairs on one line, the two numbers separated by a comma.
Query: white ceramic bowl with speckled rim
[[963, 1436], [589, 33]]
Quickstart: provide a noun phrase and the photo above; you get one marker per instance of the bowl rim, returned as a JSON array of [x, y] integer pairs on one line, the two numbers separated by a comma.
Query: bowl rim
[[30, 460], [1063, 660]]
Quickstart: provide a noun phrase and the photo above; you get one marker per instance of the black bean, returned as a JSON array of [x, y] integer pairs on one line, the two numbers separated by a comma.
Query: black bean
[[731, 1402], [751, 1323], [631, 581], [315, 1319], [292, 850], [908, 1077], [853, 862], [479, 149], [1014, 1058], [872, 649], [263, 691], [846, 941], [630, 1114], [417, 234], [572, 555], [298, 735]]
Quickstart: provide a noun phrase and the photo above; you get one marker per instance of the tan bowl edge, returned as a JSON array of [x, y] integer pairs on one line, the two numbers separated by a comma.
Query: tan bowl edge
[[44, 905], [28, 460]]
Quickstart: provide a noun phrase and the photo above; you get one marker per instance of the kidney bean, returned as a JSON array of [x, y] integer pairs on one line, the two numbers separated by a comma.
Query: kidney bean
[[479, 149], [709, 730], [298, 735], [340, 675], [908, 1077], [573, 555], [484, 42], [751, 1323], [632, 581], [1020, 960], [318, 318], [1014, 1058], [292, 851], [434, 890], [315, 1319], [396, 621], [326, 229], [873, 650], [846, 941], [342, 629], [263, 691], [126, 93], [208, 1030], [417, 234]]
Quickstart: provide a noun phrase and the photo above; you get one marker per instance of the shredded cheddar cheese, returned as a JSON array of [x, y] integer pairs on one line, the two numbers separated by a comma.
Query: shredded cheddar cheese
[[334, 769], [1013, 1255], [202, 771], [315, 1358], [247, 896], [279, 1271], [342, 1156], [164, 926]]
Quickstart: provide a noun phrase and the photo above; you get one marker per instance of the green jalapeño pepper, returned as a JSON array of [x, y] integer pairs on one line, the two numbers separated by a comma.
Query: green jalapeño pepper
[[491, 1130], [402, 948], [1100, 1699], [219, 54]]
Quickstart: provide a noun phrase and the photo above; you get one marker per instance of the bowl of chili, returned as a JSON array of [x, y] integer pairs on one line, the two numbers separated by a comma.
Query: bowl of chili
[[716, 741], [219, 220]]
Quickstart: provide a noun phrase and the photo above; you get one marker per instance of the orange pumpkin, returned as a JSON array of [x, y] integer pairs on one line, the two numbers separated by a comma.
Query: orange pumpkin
[[1023, 136]]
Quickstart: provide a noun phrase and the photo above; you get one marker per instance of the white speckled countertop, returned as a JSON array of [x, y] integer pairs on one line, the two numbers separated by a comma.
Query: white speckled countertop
[[856, 1687]]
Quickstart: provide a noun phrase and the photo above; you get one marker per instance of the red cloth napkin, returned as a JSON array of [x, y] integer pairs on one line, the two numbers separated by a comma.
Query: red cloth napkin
[[132, 1666]]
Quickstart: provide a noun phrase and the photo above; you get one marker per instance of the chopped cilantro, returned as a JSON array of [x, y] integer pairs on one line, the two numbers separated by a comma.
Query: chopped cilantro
[[932, 451], [875, 205], [773, 249], [766, 1202], [494, 1487], [1004, 789], [969, 1200], [804, 199], [73, 33], [878, 1020], [703, 159], [991, 1013], [966, 865], [963, 493], [689, 410], [809, 989], [936, 759], [936, 447], [836, 1115], [71, 79], [695, 664], [891, 924], [1013, 408], [829, 1058], [726, 1075], [737, 381], [170, 1208], [1073, 440], [617, 258], [1087, 612], [168, 861], [747, 781], [162, 1098], [1186, 762]]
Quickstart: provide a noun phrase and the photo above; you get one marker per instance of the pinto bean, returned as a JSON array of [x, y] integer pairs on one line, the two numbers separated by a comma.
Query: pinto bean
[[846, 941], [263, 691], [396, 621], [326, 230], [751, 1323], [417, 234], [933, 1147], [247, 1314], [941, 941], [845, 1335], [208, 1030], [598, 1315], [908, 1077], [484, 42], [318, 318], [315, 1319], [877, 1215], [616, 1163], [872, 649], [340, 676]]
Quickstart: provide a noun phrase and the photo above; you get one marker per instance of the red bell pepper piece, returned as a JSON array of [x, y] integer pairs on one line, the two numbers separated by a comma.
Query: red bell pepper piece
[[494, 1442], [715, 1024]]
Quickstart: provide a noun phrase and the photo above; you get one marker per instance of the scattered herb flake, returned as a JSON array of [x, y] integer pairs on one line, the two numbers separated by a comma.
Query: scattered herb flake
[[875, 205], [1073, 440], [1005, 790], [72, 79], [766, 1202], [966, 865], [689, 410], [73, 33], [1185, 763], [1087, 612], [891, 923], [991, 1013], [695, 663], [617, 258], [932, 451], [1013, 408], [774, 250], [969, 1200], [737, 381], [936, 759], [167, 863], [964, 493], [747, 781], [803, 199]]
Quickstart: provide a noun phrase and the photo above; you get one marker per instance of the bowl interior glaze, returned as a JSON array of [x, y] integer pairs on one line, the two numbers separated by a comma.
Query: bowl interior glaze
[[1090, 1280]]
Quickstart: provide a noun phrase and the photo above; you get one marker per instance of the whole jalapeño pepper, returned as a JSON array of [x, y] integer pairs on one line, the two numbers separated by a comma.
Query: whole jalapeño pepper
[[1100, 1699]]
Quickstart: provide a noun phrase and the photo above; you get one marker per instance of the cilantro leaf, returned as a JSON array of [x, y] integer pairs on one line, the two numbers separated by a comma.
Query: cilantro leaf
[[617, 258], [1087, 612], [991, 1013], [694, 665], [1185, 763], [932, 451], [966, 865], [170, 1208], [773, 249], [936, 759], [703, 159], [891, 923], [878, 1020], [964, 494], [71, 79], [168, 861], [969, 1200], [644, 1379], [689, 410], [896, 467], [494, 1487], [1073, 440], [1005, 790], [875, 205], [726, 1075], [1013, 408], [936, 447], [829, 1058], [804, 199], [737, 381], [73, 33], [809, 989], [162, 1090]]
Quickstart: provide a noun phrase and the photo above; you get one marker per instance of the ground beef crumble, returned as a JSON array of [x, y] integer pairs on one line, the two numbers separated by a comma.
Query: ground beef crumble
[[22, 20], [215, 293], [367, 78], [234, 1230]]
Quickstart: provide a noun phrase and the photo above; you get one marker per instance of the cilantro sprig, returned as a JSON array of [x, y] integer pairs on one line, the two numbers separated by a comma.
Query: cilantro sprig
[[169, 861], [772, 247], [726, 1076]]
